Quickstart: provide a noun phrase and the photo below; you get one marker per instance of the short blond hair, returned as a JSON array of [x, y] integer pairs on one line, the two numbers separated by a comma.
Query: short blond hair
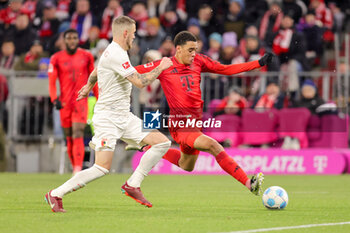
[[121, 23]]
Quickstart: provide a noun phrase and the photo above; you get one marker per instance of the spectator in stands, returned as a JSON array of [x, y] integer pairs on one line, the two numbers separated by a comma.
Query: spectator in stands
[[215, 40], [82, 20], [235, 18], [309, 97], [290, 46], [155, 36], [270, 23], [62, 10], [48, 25], [171, 22], [207, 21], [249, 50], [9, 15], [112, 11], [22, 34], [313, 35], [294, 8], [254, 10], [140, 15], [58, 43], [156, 7], [29, 8], [324, 16], [167, 48], [91, 43], [29, 61], [195, 28], [228, 47], [234, 103], [272, 98], [7, 55]]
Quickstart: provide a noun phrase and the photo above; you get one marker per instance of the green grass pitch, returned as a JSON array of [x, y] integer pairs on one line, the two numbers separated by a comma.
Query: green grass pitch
[[187, 204]]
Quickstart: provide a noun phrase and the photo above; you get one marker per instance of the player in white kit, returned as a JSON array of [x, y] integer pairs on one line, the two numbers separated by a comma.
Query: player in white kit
[[113, 120]]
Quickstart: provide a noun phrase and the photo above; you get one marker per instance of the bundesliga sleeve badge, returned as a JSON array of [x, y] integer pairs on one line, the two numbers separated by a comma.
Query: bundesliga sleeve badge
[[126, 65]]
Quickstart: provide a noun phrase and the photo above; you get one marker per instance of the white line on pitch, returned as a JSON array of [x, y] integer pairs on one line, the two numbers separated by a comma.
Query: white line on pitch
[[290, 227]]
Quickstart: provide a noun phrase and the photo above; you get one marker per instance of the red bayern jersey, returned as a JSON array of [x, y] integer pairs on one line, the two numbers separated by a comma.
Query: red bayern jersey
[[181, 83], [72, 72]]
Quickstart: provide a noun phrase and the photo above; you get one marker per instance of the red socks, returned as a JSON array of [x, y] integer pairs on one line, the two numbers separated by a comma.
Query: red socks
[[173, 156], [224, 160], [70, 149], [78, 153], [230, 166]]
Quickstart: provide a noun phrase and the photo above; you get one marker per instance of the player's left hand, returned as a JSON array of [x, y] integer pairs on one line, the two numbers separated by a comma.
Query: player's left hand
[[266, 59], [84, 92]]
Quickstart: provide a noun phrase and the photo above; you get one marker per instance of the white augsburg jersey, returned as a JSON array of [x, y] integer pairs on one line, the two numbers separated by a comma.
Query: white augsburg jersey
[[114, 89]]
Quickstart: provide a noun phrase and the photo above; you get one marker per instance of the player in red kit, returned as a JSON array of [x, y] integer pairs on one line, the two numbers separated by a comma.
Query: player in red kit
[[72, 67], [181, 86]]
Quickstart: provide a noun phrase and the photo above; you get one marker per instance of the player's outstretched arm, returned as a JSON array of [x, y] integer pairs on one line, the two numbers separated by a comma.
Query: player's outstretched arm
[[212, 66], [142, 80], [85, 90]]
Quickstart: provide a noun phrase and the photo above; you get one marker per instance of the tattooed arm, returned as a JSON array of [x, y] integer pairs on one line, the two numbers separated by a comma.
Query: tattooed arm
[[142, 80]]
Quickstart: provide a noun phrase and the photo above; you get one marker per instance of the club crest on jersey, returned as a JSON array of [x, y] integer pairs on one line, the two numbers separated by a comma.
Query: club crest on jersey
[[126, 65]]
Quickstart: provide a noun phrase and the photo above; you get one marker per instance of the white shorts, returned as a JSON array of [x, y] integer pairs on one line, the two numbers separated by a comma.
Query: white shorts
[[110, 127]]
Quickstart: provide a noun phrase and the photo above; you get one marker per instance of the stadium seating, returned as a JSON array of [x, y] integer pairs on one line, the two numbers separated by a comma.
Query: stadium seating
[[230, 129], [259, 127], [293, 123], [333, 132]]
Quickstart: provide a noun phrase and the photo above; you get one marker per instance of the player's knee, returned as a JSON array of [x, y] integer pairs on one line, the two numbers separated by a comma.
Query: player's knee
[[78, 133], [163, 145], [214, 147]]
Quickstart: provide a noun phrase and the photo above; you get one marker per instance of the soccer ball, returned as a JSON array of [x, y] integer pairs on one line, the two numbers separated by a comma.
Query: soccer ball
[[275, 197]]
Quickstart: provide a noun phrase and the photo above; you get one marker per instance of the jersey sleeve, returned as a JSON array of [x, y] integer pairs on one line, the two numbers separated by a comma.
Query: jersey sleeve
[[211, 66], [121, 65], [145, 68], [53, 73]]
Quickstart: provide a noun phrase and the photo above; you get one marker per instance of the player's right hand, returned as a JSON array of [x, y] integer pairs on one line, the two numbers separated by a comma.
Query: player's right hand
[[57, 103], [84, 92], [165, 63]]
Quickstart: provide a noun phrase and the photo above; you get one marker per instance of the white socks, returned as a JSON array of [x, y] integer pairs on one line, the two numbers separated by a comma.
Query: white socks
[[147, 162], [80, 180]]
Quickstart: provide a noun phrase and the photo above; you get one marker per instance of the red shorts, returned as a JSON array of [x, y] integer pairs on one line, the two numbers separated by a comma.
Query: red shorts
[[185, 138], [76, 113]]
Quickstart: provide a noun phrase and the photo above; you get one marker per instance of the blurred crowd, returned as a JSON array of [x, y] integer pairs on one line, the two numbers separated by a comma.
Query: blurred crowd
[[230, 31], [298, 32]]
